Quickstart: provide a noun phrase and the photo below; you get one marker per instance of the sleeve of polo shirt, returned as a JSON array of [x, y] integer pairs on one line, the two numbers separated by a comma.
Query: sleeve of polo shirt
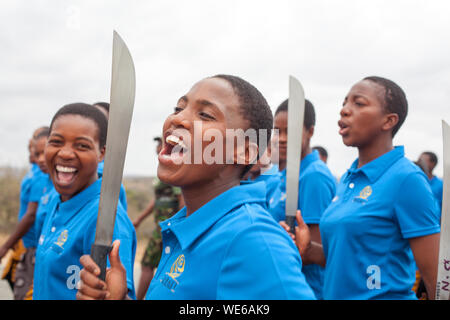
[[123, 198], [315, 194], [37, 189], [416, 209], [261, 264]]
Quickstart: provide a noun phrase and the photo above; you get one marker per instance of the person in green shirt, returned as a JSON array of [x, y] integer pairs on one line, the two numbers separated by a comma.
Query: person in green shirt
[[167, 201]]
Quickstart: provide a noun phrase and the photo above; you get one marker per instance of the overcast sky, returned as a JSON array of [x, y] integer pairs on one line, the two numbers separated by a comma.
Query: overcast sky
[[58, 52]]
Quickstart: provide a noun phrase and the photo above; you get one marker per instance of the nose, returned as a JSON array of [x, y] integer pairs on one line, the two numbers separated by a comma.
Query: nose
[[345, 111], [182, 119], [41, 158], [282, 137], [66, 153]]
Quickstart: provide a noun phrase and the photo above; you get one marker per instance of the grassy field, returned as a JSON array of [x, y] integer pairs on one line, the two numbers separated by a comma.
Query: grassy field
[[139, 193]]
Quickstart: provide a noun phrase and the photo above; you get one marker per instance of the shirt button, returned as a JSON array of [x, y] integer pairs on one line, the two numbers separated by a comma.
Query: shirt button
[[351, 185], [167, 250], [168, 223], [53, 229]]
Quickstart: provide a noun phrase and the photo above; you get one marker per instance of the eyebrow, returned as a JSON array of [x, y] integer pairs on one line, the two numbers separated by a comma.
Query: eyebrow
[[203, 102], [77, 138], [360, 96]]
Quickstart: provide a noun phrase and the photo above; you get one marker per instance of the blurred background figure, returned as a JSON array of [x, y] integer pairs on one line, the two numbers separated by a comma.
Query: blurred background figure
[[323, 154], [428, 160], [167, 201]]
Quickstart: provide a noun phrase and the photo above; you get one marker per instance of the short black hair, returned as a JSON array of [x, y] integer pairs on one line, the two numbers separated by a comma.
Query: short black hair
[[322, 151], [87, 111], [254, 108], [394, 99], [433, 157], [38, 130], [43, 132], [104, 105], [309, 119]]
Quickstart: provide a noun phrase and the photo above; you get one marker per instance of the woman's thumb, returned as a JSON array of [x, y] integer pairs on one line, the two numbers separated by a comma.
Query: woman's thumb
[[114, 257]]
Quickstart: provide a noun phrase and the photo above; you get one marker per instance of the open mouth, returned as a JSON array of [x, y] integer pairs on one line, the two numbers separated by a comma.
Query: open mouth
[[174, 150], [65, 175], [344, 128]]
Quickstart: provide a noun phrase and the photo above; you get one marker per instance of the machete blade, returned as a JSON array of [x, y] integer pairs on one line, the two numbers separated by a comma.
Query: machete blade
[[296, 113], [123, 83], [443, 277]]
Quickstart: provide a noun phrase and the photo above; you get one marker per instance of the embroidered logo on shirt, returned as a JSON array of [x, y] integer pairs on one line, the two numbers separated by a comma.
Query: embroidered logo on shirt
[[62, 238], [44, 199], [170, 279], [177, 267], [364, 195]]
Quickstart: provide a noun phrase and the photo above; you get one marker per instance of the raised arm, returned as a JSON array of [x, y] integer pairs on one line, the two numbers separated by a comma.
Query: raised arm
[[147, 211]]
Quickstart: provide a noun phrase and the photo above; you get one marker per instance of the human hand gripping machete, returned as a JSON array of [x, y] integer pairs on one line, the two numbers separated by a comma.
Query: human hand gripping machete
[[296, 114], [443, 277], [123, 82]]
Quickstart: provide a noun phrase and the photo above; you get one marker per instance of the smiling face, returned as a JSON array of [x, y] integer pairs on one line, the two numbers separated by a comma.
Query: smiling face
[[39, 148], [280, 125], [72, 154], [213, 105], [363, 116]]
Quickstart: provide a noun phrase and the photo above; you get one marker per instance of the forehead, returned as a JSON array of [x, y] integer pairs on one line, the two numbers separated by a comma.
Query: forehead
[[40, 141], [368, 89], [218, 92], [425, 156], [280, 119], [73, 125]]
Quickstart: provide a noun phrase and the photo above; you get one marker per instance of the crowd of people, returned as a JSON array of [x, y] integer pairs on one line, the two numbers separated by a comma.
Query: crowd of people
[[372, 234]]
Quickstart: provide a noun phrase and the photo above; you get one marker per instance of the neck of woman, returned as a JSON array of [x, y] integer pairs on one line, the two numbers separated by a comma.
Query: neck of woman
[[198, 195], [373, 150]]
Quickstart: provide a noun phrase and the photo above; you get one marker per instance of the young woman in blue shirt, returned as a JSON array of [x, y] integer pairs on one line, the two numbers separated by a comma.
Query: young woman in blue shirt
[[383, 220], [76, 144], [223, 244]]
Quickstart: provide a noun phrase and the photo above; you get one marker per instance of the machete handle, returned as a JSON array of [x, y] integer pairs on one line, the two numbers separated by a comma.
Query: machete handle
[[99, 253], [290, 221]]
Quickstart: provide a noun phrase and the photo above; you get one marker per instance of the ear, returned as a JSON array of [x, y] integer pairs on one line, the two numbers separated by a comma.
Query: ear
[[391, 120], [246, 154], [310, 132], [102, 154]]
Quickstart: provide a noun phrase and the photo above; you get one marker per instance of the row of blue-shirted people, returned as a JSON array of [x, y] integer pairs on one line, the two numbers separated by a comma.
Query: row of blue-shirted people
[[361, 239]]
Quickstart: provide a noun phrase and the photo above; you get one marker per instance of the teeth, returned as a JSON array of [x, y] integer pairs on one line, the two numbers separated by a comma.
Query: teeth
[[174, 140], [65, 169]]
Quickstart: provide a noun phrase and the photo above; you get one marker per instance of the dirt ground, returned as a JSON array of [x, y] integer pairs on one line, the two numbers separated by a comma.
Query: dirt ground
[[5, 291]]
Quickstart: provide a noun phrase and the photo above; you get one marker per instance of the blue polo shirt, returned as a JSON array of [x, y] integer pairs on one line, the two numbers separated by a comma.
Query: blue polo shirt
[[366, 229], [40, 185], [41, 212], [271, 179], [317, 188], [228, 249], [122, 194], [437, 187], [26, 188], [68, 233]]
